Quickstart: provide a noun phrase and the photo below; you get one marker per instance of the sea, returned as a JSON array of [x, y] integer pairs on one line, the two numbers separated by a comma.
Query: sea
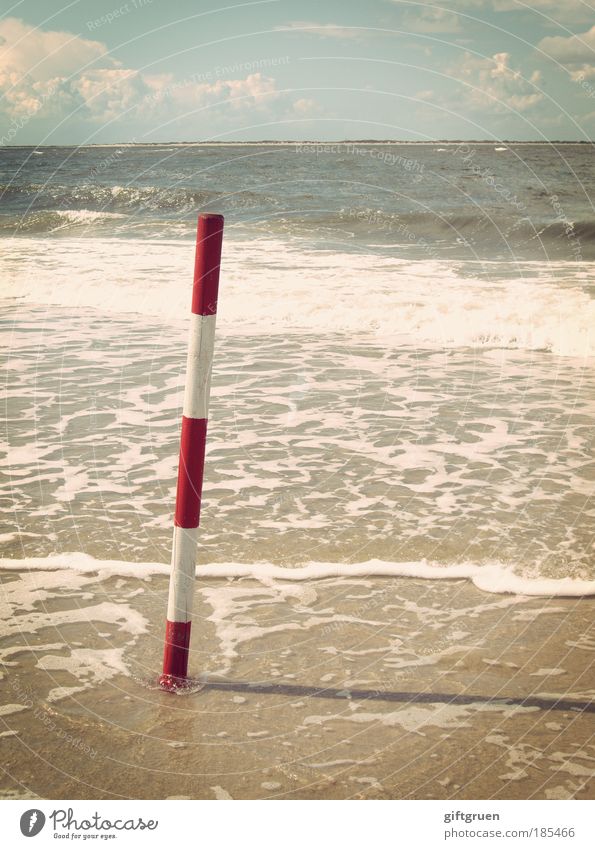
[[399, 476]]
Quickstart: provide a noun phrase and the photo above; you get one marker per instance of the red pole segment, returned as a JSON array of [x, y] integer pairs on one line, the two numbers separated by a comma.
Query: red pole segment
[[192, 448]]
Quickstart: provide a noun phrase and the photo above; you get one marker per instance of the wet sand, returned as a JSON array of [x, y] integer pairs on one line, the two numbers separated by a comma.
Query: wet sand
[[118, 735]]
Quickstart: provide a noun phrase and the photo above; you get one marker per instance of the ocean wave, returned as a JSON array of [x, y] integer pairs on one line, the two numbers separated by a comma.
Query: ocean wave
[[490, 577], [518, 236], [475, 231], [584, 231], [50, 221], [424, 303], [467, 236], [104, 198]]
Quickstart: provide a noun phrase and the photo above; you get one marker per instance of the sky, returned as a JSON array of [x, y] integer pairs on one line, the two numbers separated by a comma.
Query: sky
[[104, 71]]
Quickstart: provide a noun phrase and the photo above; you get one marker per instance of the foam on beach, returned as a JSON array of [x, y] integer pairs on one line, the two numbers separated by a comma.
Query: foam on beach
[[490, 577], [110, 619]]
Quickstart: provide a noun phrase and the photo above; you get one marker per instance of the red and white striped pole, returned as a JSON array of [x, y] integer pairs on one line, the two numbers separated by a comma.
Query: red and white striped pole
[[192, 449]]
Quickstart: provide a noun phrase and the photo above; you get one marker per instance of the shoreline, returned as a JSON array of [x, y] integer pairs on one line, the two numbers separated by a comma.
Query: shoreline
[[277, 739], [491, 577]]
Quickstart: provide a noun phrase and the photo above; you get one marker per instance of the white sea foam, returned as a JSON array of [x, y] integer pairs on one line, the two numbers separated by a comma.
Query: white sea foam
[[490, 577], [6, 710], [28, 607], [86, 216], [424, 302], [89, 666], [220, 793], [417, 718]]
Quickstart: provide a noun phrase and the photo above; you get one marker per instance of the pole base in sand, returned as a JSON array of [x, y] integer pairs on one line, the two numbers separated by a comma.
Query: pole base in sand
[[172, 684], [175, 655]]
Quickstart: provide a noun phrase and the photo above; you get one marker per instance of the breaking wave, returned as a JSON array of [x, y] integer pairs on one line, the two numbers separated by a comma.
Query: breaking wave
[[426, 303]]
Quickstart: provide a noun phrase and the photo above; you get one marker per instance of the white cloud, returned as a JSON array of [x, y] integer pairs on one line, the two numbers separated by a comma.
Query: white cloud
[[583, 72], [44, 55], [305, 107], [325, 30], [35, 67], [168, 97], [431, 20], [563, 11], [108, 93], [58, 75], [426, 94], [577, 53], [494, 85], [573, 50], [444, 4]]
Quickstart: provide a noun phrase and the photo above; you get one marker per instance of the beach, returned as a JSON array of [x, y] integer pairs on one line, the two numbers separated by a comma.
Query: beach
[[96, 724], [401, 415]]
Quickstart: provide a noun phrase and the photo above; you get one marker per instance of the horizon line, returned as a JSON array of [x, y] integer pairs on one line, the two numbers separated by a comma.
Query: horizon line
[[307, 141]]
